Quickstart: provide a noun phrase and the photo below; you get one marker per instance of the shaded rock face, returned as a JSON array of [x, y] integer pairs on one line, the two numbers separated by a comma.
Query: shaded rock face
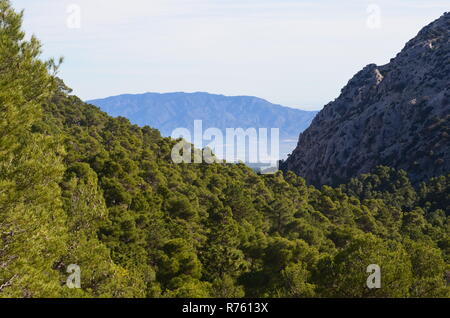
[[397, 115]]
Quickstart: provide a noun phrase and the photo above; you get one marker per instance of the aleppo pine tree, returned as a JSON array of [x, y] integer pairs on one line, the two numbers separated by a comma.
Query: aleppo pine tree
[[32, 235]]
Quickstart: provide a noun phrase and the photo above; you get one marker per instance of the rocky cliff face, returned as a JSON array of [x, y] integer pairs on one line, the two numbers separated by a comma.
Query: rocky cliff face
[[397, 115]]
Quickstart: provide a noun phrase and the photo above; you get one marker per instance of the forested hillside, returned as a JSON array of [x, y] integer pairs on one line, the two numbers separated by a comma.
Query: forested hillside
[[80, 187]]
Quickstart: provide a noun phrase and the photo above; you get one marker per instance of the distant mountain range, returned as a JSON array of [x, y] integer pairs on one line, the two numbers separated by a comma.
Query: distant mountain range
[[396, 115], [169, 111]]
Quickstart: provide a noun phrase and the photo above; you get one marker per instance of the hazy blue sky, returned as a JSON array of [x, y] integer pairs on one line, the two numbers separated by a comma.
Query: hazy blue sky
[[295, 53]]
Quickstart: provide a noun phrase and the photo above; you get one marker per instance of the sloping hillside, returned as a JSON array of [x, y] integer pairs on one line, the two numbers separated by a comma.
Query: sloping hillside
[[80, 189]]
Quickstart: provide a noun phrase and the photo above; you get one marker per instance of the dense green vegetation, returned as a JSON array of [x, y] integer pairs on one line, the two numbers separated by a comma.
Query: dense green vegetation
[[80, 187]]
